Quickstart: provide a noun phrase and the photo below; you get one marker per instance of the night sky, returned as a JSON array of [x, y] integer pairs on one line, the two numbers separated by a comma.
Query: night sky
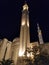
[[10, 18]]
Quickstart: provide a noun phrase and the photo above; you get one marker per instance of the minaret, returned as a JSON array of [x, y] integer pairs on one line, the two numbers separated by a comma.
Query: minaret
[[40, 35], [24, 32]]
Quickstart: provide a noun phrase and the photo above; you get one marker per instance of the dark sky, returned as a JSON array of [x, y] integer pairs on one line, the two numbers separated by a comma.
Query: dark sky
[[10, 18]]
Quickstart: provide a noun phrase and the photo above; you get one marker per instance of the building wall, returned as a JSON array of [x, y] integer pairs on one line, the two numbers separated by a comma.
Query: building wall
[[3, 47], [15, 50], [8, 52]]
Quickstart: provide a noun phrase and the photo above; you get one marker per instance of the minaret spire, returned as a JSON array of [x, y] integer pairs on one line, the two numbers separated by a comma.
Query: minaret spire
[[40, 34], [24, 32]]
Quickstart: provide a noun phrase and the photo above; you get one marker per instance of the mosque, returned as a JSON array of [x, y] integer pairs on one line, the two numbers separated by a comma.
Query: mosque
[[22, 47]]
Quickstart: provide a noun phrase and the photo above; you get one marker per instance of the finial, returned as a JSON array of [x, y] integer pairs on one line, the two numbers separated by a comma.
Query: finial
[[25, 7], [38, 26]]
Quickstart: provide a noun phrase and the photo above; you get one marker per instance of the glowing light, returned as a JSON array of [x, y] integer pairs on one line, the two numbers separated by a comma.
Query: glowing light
[[25, 7], [28, 55], [21, 53], [28, 24], [32, 56], [23, 23]]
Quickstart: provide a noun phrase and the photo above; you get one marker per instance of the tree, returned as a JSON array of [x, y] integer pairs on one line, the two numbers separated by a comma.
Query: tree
[[41, 59], [6, 62]]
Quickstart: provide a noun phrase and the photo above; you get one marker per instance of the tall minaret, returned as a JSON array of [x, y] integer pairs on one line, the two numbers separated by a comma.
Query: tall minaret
[[24, 32], [40, 35]]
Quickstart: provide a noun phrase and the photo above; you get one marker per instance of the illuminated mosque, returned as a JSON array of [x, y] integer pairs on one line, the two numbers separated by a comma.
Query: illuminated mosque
[[22, 47]]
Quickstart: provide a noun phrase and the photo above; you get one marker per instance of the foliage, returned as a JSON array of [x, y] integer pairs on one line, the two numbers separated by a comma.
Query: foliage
[[42, 59], [6, 62]]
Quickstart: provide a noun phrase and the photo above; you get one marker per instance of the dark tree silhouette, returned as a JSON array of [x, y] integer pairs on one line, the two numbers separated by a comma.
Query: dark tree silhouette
[[41, 59], [6, 62]]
